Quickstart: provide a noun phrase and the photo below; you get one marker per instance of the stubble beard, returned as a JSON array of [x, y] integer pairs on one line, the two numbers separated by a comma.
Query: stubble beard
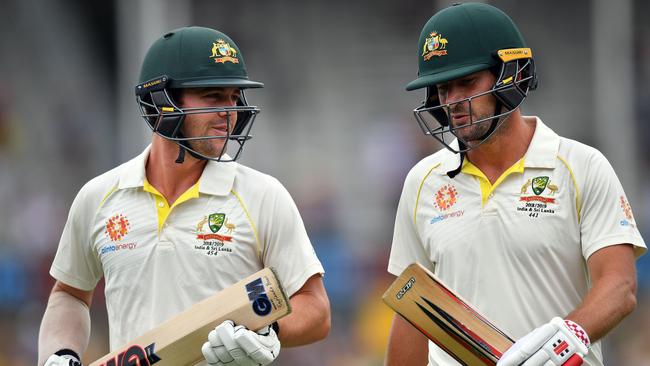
[[474, 133], [211, 148]]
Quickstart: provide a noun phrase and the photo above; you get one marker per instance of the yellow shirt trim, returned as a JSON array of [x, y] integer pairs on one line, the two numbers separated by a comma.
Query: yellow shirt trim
[[162, 205], [248, 216], [106, 197], [417, 198], [575, 184], [486, 187]]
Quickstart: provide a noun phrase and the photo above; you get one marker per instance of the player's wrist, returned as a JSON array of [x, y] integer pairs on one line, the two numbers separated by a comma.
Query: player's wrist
[[276, 328], [579, 332], [71, 357], [68, 353]]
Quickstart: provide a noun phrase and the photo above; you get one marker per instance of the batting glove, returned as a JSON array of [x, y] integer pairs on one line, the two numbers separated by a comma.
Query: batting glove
[[556, 343], [237, 345], [63, 358]]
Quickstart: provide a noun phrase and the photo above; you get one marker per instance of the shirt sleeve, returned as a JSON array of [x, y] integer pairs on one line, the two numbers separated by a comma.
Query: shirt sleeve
[[76, 264], [606, 215], [286, 246], [407, 247]]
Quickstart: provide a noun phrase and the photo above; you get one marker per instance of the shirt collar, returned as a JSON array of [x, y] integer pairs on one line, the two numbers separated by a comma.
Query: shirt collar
[[217, 177], [133, 175], [543, 148], [450, 160], [541, 152]]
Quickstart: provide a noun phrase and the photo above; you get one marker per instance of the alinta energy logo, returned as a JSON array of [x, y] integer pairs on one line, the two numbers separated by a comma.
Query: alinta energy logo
[[223, 52], [117, 227], [446, 197], [443, 200], [627, 210], [434, 45]]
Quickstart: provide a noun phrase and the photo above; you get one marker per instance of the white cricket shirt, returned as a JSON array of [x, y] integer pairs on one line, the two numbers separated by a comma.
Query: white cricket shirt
[[159, 260], [516, 250]]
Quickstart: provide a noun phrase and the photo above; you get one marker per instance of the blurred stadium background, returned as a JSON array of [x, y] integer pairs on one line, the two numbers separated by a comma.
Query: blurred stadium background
[[336, 127]]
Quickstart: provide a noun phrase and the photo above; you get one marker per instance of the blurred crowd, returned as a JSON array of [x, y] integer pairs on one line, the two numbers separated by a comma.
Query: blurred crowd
[[342, 149]]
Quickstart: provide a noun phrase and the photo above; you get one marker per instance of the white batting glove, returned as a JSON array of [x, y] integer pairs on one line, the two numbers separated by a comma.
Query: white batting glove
[[63, 360], [237, 345], [558, 342]]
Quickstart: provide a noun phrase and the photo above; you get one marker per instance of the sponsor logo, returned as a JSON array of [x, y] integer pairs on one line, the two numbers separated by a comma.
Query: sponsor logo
[[446, 197], [117, 227], [443, 200], [257, 296], [560, 348], [222, 52], [405, 288], [627, 211], [117, 247], [134, 355], [434, 45], [446, 216]]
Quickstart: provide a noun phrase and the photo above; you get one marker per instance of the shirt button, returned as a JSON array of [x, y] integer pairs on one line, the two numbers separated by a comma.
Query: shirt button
[[161, 205]]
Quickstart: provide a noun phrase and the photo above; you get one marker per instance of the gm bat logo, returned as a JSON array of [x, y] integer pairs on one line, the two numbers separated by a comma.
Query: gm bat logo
[[405, 288], [261, 304], [135, 355]]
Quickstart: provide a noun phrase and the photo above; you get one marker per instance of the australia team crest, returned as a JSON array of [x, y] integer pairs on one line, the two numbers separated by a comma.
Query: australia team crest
[[219, 238], [434, 45], [223, 52], [215, 221], [542, 197]]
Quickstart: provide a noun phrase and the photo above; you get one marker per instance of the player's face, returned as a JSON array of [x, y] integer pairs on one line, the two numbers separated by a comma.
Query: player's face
[[460, 114], [209, 124]]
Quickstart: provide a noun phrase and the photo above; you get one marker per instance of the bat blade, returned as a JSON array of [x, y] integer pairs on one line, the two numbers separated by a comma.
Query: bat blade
[[256, 301], [445, 318]]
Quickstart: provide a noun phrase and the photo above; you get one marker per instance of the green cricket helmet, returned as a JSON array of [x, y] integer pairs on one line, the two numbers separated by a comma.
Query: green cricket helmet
[[194, 57], [461, 40]]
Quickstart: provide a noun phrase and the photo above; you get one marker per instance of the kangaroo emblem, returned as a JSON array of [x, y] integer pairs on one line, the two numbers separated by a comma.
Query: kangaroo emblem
[[230, 226], [199, 226], [524, 188]]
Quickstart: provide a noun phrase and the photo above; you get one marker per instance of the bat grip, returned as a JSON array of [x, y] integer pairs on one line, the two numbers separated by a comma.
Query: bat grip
[[574, 360]]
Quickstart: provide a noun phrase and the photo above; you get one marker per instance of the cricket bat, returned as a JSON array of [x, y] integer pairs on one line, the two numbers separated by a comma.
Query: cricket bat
[[255, 301], [445, 318]]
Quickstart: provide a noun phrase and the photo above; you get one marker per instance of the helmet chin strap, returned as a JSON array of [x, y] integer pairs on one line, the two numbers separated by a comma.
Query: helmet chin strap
[[461, 146], [182, 148], [181, 155]]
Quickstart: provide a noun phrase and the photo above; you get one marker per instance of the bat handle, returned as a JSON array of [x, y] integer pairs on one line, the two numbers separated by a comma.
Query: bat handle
[[574, 360]]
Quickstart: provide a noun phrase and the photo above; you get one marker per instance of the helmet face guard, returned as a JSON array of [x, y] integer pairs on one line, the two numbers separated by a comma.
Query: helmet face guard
[[516, 77], [166, 119]]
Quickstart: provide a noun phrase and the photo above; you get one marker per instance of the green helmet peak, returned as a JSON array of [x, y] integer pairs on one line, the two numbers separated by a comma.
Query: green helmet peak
[[463, 39]]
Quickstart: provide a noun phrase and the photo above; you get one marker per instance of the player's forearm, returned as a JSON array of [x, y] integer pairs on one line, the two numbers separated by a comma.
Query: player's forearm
[[613, 294], [65, 325], [605, 305], [308, 322], [406, 345]]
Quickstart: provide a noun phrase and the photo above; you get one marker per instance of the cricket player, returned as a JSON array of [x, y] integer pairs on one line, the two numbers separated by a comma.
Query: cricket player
[[182, 220], [532, 228]]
